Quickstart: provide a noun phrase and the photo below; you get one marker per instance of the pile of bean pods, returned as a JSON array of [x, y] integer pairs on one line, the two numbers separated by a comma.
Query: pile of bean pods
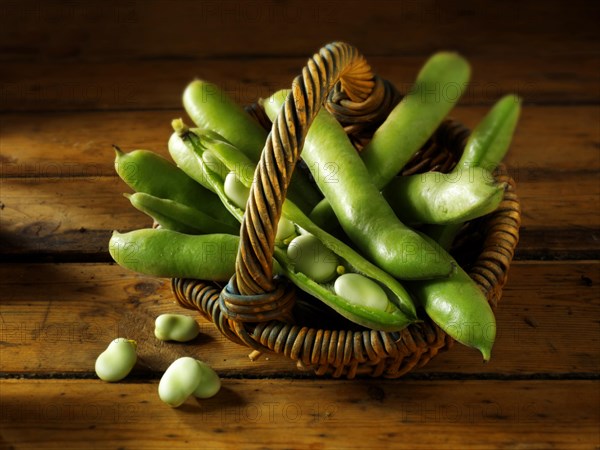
[[365, 241]]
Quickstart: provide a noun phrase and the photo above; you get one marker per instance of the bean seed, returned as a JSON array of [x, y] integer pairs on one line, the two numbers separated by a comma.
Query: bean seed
[[312, 258], [210, 383], [115, 363], [176, 327], [361, 290], [179, 381], [236, 191]]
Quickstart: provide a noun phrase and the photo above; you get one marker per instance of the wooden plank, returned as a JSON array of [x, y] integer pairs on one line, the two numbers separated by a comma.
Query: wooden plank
[[181, 29], [79, 144], [304, 414], [59, 317], [68, 86], [75, 216]]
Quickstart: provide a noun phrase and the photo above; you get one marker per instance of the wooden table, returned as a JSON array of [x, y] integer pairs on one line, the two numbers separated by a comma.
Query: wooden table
[[80, 76]]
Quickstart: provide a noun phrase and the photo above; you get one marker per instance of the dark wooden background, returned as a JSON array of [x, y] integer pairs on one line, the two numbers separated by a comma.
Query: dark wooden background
[[78, 76]]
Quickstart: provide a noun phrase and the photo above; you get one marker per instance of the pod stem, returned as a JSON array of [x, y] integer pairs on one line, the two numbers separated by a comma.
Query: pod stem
[[179, 126]]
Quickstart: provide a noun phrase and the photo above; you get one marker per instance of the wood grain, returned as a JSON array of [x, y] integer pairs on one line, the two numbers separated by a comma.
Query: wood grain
[[78, 76], [158, 84], [260, 414], [60, 196], [75, 216], [65, 319], [80, 144], [182, 29]]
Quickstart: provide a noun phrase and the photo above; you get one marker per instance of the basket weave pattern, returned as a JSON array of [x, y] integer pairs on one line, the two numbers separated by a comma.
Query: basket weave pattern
[[259, 311]]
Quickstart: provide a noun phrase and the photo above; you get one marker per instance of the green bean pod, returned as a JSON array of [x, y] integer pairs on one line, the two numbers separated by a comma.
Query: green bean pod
[[165, 253], [147, 172], [175, 216], [169, 254], [486, 148], [489, 142], [459, 307], [439, 85], [401, 309], [438, 198], [194, 140], [363, 213], [212, 109]]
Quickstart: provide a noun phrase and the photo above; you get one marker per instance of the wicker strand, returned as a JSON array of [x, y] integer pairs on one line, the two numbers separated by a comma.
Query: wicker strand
[[335, 62]]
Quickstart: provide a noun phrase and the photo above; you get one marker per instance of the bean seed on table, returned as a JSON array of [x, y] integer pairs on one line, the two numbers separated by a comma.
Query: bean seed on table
[[187, 377], [179, 381], [115, 363], [176, 327]]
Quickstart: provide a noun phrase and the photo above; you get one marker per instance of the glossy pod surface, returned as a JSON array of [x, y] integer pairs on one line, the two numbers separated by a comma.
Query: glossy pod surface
[[363, 213], [438, 198], [176, 216], [147, 172], [401, 306], [212, 109], [460, 308], [166, 253]]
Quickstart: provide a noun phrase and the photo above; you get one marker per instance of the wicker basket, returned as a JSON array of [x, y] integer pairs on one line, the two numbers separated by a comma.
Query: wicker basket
[[268, 314]]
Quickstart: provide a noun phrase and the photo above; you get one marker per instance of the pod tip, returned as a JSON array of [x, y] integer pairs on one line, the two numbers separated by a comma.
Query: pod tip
[[486, 353], [117, 150]]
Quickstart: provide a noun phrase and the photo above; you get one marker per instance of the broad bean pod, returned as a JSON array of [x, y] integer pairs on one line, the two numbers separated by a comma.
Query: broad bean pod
[[363, 213], [401, 310], [485, 148], [176, 216], [211, 109], [169, 254], [438, 87], [460, 308], [147, 172], [439, 198]]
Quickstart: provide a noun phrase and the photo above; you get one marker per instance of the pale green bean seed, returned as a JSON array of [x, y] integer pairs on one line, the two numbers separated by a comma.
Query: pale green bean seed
[[285, 229], [210, 383], [179, 381], [361, 290], [312, 258], [214, 164], [115, 363], [175, 327], [236, 191]]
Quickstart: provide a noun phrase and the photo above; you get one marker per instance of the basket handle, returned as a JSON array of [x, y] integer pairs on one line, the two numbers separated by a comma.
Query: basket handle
[[252, 293]]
